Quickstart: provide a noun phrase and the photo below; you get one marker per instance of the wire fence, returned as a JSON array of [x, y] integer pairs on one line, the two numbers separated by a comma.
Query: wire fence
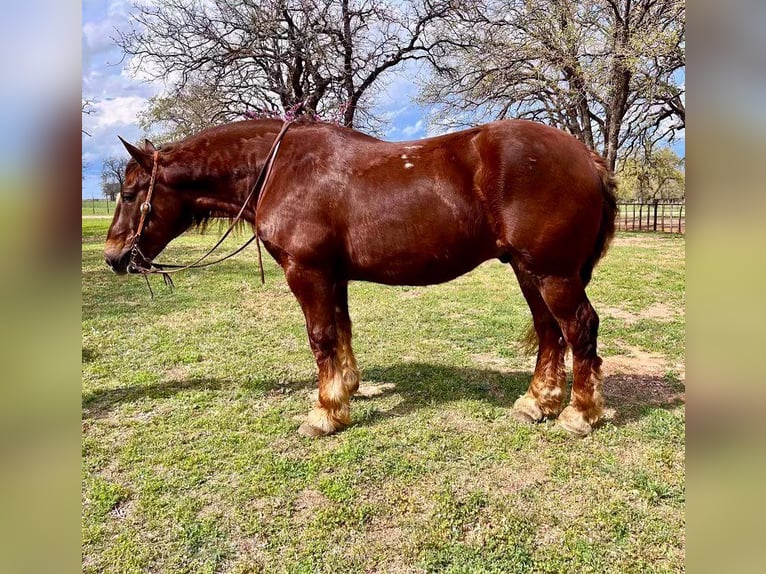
[[93, 206], [660, 216]]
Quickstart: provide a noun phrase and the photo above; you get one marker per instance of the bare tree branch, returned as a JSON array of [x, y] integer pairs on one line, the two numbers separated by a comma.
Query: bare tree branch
[[112, 176], [87, 109], [321, 57], [608, 71]]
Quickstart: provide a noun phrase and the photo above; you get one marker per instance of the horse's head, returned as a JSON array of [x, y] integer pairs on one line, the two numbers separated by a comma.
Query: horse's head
[[168, 213]]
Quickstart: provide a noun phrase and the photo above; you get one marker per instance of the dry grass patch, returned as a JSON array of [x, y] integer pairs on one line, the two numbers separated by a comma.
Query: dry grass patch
[[657, 311], [637, 362]]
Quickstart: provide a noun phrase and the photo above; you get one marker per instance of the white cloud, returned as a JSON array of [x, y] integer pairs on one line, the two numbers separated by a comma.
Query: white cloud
[[116, 96], [98, 36], [411, 130], [115, 112], [101, 22]]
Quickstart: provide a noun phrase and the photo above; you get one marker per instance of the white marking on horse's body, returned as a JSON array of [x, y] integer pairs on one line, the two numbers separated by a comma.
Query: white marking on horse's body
[[408, 165]]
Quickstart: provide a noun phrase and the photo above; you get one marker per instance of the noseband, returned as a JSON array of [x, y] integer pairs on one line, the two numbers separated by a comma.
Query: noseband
[[166, 268]]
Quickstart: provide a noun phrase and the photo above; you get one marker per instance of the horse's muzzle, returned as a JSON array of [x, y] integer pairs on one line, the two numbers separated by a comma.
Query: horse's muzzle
[[119, 263]]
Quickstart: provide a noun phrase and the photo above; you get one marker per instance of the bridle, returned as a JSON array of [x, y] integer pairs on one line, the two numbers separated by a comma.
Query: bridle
[[165, 269]]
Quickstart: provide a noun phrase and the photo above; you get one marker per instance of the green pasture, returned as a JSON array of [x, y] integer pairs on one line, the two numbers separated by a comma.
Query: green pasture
[[190, 404], [102, 207]]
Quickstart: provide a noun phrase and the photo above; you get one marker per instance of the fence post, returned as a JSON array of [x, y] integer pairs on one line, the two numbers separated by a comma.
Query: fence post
[[680, 216], [671, 218], [649, 216], [626, 218], [627, 221]]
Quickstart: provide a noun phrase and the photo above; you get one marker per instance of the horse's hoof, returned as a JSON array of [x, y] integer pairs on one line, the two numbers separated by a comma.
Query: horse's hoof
[[525, 410], [311, 431], [573, 423]]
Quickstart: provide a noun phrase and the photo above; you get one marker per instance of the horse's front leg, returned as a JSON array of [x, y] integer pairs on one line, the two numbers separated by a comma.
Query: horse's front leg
[[315, 289], [350, 371]]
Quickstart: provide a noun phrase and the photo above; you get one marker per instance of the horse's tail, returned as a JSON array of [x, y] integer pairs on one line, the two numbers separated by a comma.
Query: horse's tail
[[608, 215]]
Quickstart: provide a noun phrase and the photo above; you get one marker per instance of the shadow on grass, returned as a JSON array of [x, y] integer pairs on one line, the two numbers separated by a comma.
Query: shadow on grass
[[419, 385], [632, 396], [427, 384], [98, 404]]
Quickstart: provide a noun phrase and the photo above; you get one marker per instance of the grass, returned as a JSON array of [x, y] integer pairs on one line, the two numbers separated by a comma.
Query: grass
[[191, 461], [91, 207]]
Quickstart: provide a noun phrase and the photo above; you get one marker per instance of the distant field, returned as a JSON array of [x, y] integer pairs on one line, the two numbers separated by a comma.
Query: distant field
[[97, 207], [191, 401]]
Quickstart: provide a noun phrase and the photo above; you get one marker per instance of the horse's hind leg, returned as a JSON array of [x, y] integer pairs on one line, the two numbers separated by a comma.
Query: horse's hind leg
[[565, 297], [316, 292], [545, 395]]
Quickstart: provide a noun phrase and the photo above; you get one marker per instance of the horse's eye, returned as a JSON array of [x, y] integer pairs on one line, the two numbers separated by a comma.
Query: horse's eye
[[128, 198]]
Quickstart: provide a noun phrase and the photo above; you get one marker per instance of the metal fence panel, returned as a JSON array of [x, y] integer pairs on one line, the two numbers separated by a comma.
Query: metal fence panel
[[659, 216]]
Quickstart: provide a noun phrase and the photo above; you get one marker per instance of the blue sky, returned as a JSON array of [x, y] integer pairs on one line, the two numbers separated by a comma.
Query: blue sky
[[37, 81], [117, 97]]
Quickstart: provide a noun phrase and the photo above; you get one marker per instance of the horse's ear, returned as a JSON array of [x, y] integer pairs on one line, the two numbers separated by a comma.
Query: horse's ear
[[149, 146], [143, 157]]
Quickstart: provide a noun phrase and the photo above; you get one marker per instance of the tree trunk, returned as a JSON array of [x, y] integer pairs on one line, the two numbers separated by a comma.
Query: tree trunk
[[349, 108], [619, 84]]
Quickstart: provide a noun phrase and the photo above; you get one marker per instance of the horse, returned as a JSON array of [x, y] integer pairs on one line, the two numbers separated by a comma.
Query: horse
[[338, 205]]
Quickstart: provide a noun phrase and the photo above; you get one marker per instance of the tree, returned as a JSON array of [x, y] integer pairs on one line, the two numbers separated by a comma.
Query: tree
[[188, 111], [654, 174], [224, 58], [608, 71], [112, 176], [87, 109]]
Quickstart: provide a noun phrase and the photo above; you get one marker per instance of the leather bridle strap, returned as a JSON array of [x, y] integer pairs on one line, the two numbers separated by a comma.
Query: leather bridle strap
[[260, 183], [146, 206]]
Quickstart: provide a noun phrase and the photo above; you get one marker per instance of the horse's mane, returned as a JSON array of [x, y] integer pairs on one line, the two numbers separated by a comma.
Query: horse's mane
[[202, 221]]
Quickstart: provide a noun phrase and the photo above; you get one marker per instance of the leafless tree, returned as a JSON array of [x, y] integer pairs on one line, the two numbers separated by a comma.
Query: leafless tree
[[310, 56], [608, 71], [87, 109], [113, 176]]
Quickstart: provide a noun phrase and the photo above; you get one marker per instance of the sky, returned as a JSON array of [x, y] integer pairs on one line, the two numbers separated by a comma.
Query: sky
[[117, 97], [37, 82]]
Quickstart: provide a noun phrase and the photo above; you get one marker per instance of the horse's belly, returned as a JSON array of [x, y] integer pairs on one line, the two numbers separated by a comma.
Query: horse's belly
[[420, 261]]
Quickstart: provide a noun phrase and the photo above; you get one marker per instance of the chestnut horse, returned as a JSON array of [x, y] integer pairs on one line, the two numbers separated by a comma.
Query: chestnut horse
[[339, 205]]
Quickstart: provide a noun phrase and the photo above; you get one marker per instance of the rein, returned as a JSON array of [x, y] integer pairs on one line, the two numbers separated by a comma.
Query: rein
[[165, 269]]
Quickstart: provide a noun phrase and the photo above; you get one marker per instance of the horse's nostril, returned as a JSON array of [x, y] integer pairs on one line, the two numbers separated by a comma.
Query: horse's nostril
[[112, 262], [116, 263]]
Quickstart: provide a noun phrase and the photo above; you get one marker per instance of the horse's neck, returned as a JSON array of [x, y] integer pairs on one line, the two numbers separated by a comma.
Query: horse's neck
[[227, 199], [230, 187]]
